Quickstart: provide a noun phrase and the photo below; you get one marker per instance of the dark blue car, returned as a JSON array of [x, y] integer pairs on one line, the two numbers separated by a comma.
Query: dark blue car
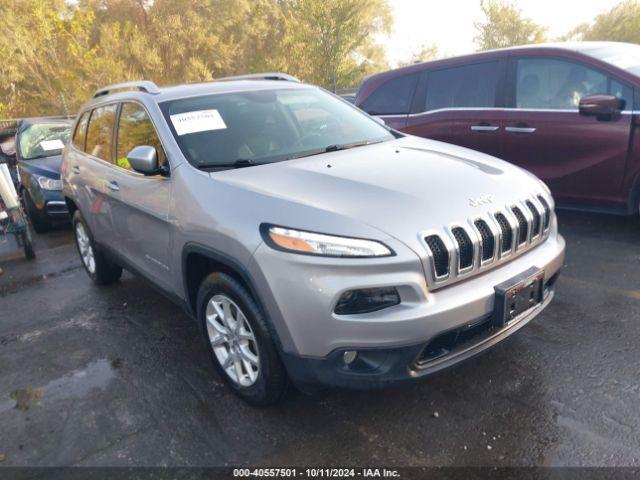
[[39, 144]]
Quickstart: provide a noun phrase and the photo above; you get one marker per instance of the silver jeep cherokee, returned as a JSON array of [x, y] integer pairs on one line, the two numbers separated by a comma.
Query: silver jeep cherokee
[[311, 242]]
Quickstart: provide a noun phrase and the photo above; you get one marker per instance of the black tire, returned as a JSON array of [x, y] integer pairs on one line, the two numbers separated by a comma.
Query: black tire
[[40, 224], [27, 245], [271, 383], [105, 271]]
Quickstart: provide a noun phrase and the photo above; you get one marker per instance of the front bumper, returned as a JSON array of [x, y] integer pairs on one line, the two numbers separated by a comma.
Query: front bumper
[[382, 367], [300, 294]]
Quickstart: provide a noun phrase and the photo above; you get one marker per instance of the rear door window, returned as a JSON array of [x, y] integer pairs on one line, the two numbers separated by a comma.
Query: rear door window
[[80, 133], [467, 86], [547, 83], [100, 132], [392, 97], [135, 129]]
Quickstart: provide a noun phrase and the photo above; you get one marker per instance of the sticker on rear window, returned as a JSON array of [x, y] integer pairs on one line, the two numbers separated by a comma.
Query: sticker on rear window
[[200, 121], [48, 145]]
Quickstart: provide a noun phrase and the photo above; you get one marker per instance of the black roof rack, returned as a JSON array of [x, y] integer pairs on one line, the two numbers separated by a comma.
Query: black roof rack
[[141, 85]]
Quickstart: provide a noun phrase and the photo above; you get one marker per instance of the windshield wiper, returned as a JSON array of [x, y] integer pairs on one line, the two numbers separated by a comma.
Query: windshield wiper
[[240, 163], [334, 148]]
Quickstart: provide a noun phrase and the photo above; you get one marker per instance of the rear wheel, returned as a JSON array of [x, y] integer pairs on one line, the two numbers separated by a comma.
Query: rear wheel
[[241, 346], [101, 270], [40, 224]]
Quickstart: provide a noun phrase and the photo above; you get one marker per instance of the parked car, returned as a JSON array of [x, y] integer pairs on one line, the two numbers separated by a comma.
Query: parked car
[[39, 144], [569, 113], [309, 241]]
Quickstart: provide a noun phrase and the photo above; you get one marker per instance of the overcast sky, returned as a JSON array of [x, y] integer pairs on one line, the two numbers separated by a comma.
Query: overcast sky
[[449, 23]]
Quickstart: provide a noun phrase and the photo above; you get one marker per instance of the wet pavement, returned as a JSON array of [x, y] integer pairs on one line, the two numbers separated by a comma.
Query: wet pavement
[[120, 376]]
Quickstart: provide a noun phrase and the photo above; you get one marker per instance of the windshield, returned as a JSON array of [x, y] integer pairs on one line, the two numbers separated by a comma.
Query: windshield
[[624, 55], [267, 126], [43, 140]]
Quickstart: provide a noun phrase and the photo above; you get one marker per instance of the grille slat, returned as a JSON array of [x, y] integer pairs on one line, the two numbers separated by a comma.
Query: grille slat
[[547, 211], [465, 247], [522, 225], [440, 255], [488, 240], [507, 232], [535, 229]]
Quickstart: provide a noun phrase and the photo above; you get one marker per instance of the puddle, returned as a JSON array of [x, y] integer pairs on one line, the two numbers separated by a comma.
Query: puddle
[[76, 384]]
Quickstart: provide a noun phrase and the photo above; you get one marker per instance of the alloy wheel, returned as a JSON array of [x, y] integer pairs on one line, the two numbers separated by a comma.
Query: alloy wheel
[[232, 340], [85, 248]]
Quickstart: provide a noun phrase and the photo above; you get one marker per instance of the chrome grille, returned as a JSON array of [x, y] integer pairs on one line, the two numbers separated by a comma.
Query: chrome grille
[[522, 225], [489, 239], [506, 231], [440, 255], [535, 228], [465, 248], [547, 211]]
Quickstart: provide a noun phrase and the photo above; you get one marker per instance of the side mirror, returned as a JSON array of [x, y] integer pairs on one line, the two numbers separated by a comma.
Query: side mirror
[[380, 121], [144, 159], [601, 106]]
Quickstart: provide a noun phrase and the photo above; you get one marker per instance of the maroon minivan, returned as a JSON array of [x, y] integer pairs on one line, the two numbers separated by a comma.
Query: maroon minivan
[[565, 112]]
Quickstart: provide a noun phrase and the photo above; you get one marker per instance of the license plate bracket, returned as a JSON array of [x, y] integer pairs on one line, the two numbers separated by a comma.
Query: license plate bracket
[[517, 295]]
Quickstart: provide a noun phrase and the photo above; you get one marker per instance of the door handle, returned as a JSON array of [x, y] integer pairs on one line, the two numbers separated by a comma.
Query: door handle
[[520, 129], [75, 169], [484, 128], [113, 186]]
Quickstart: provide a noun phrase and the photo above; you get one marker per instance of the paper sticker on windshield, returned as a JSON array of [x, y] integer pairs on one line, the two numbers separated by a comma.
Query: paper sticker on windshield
[[48, 145], [200, 121]]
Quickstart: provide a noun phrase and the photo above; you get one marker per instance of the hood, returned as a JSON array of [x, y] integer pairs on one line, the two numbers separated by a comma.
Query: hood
[[46, 167], [401, 187]]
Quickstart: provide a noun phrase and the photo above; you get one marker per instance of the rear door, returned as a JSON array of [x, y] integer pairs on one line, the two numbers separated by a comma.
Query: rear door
[[392, 100], [462, 105], [581, 158], [142, 207]]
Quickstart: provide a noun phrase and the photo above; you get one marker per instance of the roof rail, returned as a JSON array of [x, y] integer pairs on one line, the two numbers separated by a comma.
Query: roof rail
[[261, 76], [141, 85]]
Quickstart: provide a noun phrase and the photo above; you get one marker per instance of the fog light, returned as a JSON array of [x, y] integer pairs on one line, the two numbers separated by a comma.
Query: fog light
[[367, 300], [349, 357]]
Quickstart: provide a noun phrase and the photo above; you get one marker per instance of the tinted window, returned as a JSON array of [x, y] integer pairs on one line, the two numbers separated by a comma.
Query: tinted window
[[468, 86], [392, 97], [556, 84], [100, 131], [80, 134], [135, 129]]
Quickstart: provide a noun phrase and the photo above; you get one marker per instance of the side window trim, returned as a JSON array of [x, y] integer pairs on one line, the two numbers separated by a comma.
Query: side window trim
[[115, 140], [86, 126], [93, 109], [512, 80]]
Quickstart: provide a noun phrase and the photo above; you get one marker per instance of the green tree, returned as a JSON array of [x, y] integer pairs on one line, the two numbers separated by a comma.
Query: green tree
[[505, 26], [620, 24], [333, 42]]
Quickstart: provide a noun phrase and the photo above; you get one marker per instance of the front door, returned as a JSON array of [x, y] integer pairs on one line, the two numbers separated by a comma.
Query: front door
[[142, 217], [581, 158]]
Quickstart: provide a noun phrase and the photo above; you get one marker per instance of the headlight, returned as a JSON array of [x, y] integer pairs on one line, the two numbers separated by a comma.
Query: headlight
[[48, 183], [325, 245]]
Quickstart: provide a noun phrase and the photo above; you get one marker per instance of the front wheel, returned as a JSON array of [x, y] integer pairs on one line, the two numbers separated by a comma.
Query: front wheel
[[40, 224], [101, 270], [27, 245], [240, 344]]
